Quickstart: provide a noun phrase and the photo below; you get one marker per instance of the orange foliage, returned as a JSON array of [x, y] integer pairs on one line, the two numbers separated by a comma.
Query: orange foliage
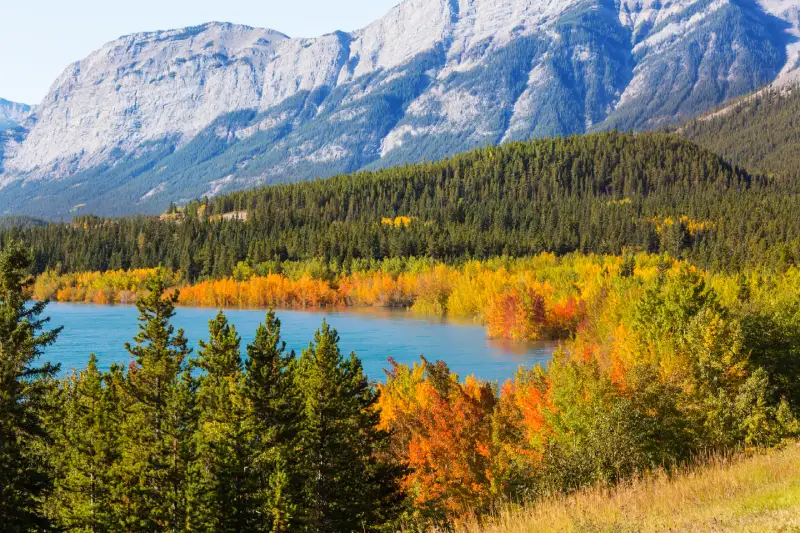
[[461, 439], [514, 298], [443, 431], [524, 315], [272, 290], [376, 289]]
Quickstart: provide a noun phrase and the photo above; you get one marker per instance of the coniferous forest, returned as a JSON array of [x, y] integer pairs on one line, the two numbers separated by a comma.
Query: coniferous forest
[[757, 132], [669, 276], [599, 193]]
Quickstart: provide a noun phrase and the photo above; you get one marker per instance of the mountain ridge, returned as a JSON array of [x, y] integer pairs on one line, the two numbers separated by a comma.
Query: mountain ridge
[[165, 116], [12, 113]]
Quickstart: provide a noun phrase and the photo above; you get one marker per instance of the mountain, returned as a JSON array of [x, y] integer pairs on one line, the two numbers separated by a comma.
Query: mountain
[[760, 132], [12, 113], [172, 115]]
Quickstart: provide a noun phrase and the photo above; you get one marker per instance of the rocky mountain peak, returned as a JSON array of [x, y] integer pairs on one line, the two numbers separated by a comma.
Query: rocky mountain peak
[[180, 113], [146, 86], [12, 113]]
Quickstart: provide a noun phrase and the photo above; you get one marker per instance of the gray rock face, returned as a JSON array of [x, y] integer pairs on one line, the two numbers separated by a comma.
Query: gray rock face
[[167, 116], [142, 87], [12, 113]]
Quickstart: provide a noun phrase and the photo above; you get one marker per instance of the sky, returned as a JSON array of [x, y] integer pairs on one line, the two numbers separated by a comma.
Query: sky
[[39, 38]]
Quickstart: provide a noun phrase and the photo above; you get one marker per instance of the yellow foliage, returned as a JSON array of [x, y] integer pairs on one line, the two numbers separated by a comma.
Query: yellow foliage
[[527, 298], [624, 201], [693, 227], [397, 222]]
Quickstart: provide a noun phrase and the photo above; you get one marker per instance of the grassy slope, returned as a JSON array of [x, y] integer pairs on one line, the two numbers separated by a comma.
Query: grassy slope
[[756, 494]]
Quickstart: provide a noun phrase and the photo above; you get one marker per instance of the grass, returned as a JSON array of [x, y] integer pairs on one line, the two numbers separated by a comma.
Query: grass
[[758, 493]]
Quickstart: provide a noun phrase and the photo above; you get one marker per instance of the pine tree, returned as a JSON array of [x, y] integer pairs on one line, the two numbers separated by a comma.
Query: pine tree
[[24, 390], [159, 419], [347, 485], [222, 481], [88, 451], [274, 414]]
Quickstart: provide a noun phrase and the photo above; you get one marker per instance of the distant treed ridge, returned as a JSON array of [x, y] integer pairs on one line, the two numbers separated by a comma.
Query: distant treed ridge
[[602, 193], [759, 132]]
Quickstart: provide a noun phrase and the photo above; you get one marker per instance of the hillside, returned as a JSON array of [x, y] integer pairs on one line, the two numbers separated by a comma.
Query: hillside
[[20, 222], [11, 114], [600, 193], [172, 115], [760, 132], [750, 494]]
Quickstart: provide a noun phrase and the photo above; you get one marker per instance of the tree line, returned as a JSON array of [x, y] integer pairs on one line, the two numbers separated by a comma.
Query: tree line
[[601, 193], [758, 132]]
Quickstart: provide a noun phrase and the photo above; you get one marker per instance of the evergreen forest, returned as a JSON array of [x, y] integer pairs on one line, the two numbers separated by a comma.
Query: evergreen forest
[[602, 193]]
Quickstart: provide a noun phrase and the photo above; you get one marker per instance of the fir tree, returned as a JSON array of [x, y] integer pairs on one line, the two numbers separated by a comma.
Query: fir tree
[[83, 499], [347, 486], [222, 478], [24, 390], [275, 412], [159, 420]]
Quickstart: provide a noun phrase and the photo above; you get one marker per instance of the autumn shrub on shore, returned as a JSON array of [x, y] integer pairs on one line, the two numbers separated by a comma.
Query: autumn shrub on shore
[[111, 287], [523, 299], [667, 365], [541, 297]]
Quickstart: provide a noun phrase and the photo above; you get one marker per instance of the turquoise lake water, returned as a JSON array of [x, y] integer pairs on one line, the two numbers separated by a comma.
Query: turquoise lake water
[[373, 335]]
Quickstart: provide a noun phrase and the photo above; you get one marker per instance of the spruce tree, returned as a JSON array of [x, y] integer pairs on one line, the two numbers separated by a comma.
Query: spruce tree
[[25, 386], [159, 419], [87, 452], [347, 483], [222, 478], [274, 414]]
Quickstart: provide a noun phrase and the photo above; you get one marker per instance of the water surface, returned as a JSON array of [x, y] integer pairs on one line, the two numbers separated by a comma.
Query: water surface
[[374, 335]]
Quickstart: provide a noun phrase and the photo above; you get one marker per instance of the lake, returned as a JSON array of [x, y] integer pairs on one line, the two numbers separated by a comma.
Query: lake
[[373, 334]]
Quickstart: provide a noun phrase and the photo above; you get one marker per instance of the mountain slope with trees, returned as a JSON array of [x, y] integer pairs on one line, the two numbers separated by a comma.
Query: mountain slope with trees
[[598, 193], [761, 132], [173, 115]]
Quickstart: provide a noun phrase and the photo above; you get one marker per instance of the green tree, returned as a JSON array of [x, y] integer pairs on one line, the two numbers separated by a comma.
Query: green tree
[[275, 413], [159, 419], [347, 484], [88, 452], [24, 389], [222, 482]]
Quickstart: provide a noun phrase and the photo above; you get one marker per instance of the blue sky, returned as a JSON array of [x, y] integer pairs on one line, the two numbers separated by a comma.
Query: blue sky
[[39, 38]]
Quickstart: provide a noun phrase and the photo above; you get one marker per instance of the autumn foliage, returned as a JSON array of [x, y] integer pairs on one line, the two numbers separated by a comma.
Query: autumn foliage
[[660, 362], [665, 364], [522, 299]]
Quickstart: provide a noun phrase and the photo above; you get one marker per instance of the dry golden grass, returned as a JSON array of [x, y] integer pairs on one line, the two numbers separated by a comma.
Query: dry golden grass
[[754, 494]]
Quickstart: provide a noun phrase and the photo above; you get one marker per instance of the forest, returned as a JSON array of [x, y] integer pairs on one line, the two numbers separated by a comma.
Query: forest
[[601, 193], [758, 132], [669, 276], [665, 363]]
